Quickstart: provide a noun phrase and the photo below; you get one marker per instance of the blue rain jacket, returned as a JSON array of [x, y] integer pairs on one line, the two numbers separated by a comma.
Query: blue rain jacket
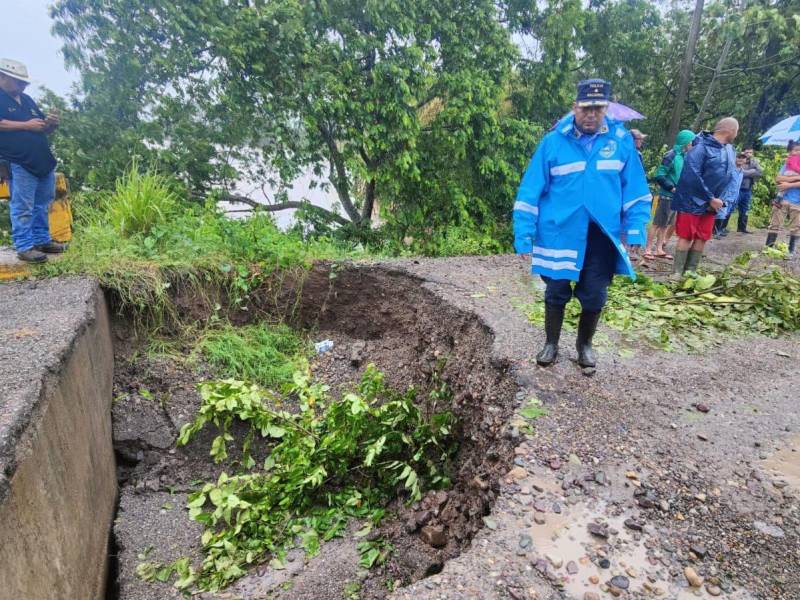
[[707, 170], [730, 195], [566, 185]]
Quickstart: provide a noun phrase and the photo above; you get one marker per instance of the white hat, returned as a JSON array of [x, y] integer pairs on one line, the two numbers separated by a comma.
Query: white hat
[[14, 69]]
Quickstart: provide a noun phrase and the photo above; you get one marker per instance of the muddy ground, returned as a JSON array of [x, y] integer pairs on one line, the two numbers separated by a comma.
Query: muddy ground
[[658, 463]]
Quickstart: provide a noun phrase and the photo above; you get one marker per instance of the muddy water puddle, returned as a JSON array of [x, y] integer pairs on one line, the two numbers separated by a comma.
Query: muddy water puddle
[[578, 557], [784, 465]]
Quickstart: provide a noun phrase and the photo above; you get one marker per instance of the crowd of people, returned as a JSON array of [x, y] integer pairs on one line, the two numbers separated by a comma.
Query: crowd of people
[[701, 181], [583, 210]]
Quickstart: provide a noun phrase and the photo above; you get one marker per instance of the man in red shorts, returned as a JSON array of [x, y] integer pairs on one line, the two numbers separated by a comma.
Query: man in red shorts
[[707, 169]]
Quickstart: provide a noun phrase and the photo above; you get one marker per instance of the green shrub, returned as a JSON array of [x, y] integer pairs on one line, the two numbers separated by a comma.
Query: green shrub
[[139, 249], [140, 201], [331, 459]]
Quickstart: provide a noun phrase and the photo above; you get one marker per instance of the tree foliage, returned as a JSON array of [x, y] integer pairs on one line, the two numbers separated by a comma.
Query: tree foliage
[[423, 113], [368, 96]]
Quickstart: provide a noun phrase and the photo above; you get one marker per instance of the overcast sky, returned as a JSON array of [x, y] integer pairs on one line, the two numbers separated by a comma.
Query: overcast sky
[[25, 36]]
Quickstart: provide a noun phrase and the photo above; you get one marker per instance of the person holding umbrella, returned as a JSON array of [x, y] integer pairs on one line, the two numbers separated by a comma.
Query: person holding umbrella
[[787, 204]]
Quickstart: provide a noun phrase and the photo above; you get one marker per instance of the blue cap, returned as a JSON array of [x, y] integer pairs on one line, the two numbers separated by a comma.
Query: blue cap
[[593, 92]]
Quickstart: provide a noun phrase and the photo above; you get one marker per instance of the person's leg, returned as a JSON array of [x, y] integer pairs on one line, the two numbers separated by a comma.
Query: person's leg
[[703, 228], [719, 226], [670, 230], [21, 207], [649, 242], [685, 232], [556, 295], [661, 233], [45, 193], [660, 220], [775, 222], [794, 228], [698, 245], [592, 291], [744, 208]]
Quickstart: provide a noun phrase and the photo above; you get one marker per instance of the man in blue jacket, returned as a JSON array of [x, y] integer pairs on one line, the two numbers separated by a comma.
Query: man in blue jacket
[[707, 170], [582, 201]]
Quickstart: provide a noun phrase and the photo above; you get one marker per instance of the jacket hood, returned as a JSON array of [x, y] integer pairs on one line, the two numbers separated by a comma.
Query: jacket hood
[[684, 137], [707, 138]]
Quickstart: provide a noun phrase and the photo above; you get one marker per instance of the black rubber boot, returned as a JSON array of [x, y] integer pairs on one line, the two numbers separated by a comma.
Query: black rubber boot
[[586, 328], [553, 319], [32, 256], [51, 248], [742, 225], [793, 244], [693, 260], [772, 237]]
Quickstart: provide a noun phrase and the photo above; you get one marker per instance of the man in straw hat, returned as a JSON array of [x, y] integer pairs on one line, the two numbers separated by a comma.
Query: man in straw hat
[[24, 144]]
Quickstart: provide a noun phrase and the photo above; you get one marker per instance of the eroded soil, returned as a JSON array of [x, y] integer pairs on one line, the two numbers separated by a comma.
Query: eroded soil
[[373, 316]]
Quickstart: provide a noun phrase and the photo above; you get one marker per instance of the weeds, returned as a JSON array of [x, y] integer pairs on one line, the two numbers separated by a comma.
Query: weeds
[[331, 460], [140, 201], [143, 239], [264, 354]]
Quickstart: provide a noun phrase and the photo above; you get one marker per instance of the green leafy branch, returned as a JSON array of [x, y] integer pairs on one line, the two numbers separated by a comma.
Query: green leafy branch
[[330, 460], [700, 309]]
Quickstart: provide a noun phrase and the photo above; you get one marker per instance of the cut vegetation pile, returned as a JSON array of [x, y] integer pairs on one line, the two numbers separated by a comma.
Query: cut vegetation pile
[[701, 309]]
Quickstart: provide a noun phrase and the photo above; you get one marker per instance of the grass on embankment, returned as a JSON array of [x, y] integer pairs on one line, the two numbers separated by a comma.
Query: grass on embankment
[[139, 237], [268, 355]]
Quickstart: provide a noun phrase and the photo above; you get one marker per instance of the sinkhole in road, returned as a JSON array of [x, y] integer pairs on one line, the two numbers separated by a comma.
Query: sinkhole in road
[[373, 315]]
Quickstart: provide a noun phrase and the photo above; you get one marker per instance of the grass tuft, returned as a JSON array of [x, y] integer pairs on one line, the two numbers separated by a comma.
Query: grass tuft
[[264, 354]]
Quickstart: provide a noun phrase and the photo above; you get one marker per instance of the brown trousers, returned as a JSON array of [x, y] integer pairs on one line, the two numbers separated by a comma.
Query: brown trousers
[[779, 213]]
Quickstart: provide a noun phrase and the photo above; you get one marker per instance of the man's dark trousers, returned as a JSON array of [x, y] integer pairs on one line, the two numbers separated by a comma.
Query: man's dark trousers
[[743, 205], [598, 269]]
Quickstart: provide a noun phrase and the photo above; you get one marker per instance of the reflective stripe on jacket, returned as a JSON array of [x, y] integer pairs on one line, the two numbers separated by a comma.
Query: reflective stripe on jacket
[[566, 185]]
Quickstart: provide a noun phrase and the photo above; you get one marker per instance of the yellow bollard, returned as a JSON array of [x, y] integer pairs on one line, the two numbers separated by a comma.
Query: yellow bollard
[[60, 215]]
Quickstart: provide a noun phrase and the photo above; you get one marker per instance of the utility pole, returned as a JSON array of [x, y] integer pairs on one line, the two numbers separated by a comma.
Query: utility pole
[[686, 71]]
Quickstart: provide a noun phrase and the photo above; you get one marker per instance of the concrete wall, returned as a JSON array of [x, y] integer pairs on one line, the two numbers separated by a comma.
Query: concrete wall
[[57, 472]]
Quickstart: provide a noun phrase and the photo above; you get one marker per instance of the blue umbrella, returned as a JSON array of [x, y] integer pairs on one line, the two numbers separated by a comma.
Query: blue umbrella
[[784, 132], [620, 112]]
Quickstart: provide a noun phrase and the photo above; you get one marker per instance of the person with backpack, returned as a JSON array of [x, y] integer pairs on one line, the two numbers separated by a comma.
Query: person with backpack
[[667, 175]]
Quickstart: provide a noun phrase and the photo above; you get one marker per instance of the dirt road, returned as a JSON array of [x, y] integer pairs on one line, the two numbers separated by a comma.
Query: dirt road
[[659, 463]]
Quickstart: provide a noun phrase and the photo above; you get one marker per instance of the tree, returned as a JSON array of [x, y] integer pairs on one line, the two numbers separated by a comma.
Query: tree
[[332, 86], [550, 39]]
